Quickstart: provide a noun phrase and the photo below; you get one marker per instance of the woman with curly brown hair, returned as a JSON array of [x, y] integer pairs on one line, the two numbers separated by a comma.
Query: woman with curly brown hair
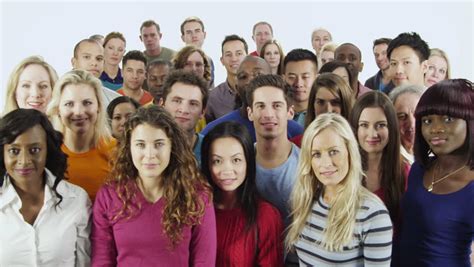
[[191, 58], [157, 208]]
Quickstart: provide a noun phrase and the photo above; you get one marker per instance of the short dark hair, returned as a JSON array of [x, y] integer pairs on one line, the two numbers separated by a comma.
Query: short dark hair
[[454, 98], [266, 80], [247, 191], [158, 62], [134, 55], [412, 40], [234, 37], [300, 54], [148, 23], [382, 41], [185, 77], [19, 121], [191, 19], [119, 100]]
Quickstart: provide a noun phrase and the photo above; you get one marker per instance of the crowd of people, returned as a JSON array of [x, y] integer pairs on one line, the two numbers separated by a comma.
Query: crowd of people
[[142, 158]]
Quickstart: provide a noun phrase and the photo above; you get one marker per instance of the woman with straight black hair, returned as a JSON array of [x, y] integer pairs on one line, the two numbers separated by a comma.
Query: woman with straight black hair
[[249, 229]]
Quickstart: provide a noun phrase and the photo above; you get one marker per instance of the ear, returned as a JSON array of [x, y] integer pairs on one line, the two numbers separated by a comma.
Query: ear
[[205, 33], [361, 66], [140, 36], [182, 38], [222, 61], [73, 62], [291, 112], [161, 102], [250, 113], [424, 66], [161, 35], [203, 113], [253, 38]]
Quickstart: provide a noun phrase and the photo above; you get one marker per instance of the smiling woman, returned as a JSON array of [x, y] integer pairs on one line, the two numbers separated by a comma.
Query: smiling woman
[[45, 219], [155, 184]]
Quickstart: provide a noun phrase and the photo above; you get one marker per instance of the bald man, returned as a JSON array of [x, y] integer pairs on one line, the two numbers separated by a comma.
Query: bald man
[[350, 54]]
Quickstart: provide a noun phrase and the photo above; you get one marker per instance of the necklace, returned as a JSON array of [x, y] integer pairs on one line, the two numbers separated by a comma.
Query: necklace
[[433, 182]]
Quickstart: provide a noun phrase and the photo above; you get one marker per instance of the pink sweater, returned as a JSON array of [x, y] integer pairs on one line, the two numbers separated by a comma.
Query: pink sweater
[[140, 241]]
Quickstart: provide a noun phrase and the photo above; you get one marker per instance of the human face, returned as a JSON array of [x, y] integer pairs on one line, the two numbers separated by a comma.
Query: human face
[[327, 56], [380, 54], [134, 74], [444, 134], [193, 34], [227, 164], [150, 38], [90, 57], [300, 75], [350, 54], [121, 114], [25, 158], [34, 88], [114, 50], [437, 70], [233, 52], [342, 72], [269, 112], [195, 64], [405, 106], [320, 38], [326, 102], [156, 77], [78, 108], [151, 150], [184, 103], [372, 130], [262, 34], [248, 70], [406, 66], [329, 158], [272, 56]]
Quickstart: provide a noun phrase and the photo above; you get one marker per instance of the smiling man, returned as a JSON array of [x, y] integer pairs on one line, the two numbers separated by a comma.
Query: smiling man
[[134, 72], [185, 98]]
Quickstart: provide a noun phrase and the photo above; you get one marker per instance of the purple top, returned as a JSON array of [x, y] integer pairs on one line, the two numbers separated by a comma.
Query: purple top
[[140, 241], [437, 230], [221, 101]]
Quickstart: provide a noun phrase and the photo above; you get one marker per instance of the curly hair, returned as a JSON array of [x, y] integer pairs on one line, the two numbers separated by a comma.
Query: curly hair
[[19, 121], [181, 58], [181, 181]]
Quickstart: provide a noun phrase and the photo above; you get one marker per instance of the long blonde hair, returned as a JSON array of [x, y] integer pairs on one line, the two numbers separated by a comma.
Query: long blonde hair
[[307, 189], [101, 130], [10, 102]]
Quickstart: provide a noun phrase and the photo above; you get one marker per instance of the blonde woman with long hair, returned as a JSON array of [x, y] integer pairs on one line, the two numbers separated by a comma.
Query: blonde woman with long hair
[[335, 219]]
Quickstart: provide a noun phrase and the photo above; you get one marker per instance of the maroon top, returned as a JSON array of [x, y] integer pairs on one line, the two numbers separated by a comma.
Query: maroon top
[[236, 245]]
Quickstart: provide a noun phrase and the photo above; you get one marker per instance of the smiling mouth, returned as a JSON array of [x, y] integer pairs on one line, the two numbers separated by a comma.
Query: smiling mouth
[[437, 141]]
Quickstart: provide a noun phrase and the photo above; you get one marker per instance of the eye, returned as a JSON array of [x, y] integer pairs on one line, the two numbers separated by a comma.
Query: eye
[[35, 150], [86, 56], [159, 144], [25, 85], [13, 151], [320, 102], [216, 161], [363, 124], [406, 62], [448, 119], [333, 152], [69, 104], [117, 117], [393, 64], [237, 160], [402, 117], [316, 154], [44, 86], [426, 121], [140, 145], [381, 125]]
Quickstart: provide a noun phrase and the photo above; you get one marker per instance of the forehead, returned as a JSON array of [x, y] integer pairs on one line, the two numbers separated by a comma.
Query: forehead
[[320, 33], [437, 60], [34, 69], [116, 41], [268, 94], [262, 28], [226, 146], [192, 25], [135, 64], [233, 45], [124, 107], [91, 48], [348, 49], [145, 131], [80, 91], [251, 65], [327, 138], [149, 29], [325, 93], [35, 134], [301, 66], [160, 69], [196, 56], [372, 114], [380, 47], [407, 99], [403, 51], [271, 47], [185, 91]]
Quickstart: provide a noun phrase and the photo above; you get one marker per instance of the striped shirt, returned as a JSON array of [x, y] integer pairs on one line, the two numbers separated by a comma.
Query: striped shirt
[[370, 246]]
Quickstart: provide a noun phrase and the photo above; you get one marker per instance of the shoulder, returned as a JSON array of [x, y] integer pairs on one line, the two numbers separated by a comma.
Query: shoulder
[[107, 144], [267, 211], [372, 209]]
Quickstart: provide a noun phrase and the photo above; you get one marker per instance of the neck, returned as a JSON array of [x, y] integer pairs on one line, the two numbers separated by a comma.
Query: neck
[[300, 106], [191, 138], [232, 81], [111, 70], [133, 93], [275, 70], [330, 193], [227, 200], [451, 162], [29, 188], [272, 152], [374, 159], [153, 52], [79, 142], [151, 188]]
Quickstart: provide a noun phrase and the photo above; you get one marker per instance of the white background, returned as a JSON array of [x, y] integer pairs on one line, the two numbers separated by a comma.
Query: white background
[[51, 29]]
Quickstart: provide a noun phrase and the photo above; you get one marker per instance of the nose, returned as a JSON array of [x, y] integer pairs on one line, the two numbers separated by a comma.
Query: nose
[[150, 151], [267, 112], [373, 132], [35, 91], [326, 160], [437, 127], [411, 121], [183, 108], [24, 158], [330, 108], [78, 109], [298, 82]]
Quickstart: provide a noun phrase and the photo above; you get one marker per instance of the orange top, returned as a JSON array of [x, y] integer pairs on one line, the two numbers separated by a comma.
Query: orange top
[[90, 169], [146, 97]]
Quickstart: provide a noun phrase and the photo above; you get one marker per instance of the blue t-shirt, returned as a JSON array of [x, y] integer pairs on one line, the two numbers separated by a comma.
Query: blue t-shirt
[[294, 129], [437, 230]]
